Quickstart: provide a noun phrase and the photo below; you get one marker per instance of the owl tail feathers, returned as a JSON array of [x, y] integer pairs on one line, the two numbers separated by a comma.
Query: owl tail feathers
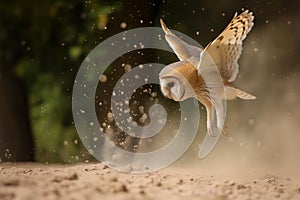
[[232, 93]]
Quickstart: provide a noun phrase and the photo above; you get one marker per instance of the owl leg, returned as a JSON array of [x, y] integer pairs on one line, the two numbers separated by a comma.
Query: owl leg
[[210, 115], [220, 116], [210, 119]]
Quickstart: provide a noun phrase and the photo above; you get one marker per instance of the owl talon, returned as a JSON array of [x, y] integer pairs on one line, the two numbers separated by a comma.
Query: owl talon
[[211, 132], [225, 131]]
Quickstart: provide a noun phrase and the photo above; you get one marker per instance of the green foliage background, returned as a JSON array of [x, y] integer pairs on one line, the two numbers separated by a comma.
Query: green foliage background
[[46, 42]]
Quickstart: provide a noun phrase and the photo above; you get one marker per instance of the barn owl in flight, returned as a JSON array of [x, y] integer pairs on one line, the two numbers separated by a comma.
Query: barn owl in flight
[[206, 74]]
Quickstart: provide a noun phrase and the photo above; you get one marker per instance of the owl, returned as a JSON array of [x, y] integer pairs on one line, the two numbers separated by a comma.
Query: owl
[[206, 74]]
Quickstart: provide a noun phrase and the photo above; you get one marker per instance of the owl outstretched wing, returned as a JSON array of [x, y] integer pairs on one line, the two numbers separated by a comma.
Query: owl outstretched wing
[[183, 50], [226, 49]]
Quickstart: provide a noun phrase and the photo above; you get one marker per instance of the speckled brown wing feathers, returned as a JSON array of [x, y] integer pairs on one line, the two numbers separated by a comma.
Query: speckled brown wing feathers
[[226, 49]]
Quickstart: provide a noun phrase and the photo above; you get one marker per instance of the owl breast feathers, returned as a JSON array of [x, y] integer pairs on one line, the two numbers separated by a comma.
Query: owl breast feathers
[[206, 74]]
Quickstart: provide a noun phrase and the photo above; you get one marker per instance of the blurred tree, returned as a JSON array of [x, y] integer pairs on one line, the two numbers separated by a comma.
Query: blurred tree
[[16, 143]]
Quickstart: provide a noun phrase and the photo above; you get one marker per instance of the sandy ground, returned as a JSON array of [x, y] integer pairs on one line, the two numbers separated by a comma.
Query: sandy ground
[[97, 181]]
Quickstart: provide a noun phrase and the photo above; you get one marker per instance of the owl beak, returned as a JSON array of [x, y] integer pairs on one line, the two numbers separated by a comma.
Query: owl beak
[[167, 92], [169, 95]]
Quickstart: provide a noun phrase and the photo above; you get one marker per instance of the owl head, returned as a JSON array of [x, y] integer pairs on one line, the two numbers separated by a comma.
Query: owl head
[[178, 80]]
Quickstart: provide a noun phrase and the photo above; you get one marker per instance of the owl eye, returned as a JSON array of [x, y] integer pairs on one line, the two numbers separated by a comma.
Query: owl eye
[[170, 85]]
